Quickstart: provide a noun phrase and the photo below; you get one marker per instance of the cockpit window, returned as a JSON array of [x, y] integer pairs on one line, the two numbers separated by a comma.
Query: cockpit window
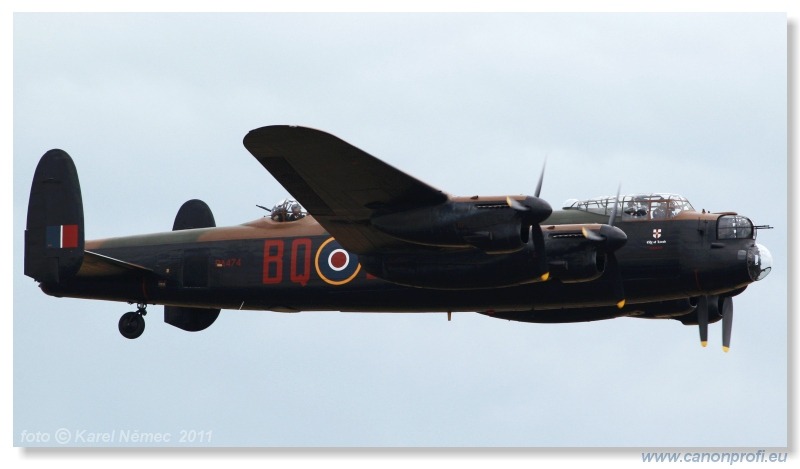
[[734, 227], [636, 206]]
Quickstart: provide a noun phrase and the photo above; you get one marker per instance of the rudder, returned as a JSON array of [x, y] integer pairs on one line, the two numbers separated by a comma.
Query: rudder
[[54, 233]]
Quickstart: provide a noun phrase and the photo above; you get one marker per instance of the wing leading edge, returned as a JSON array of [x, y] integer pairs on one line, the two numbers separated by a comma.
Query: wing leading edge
[[342, 186]]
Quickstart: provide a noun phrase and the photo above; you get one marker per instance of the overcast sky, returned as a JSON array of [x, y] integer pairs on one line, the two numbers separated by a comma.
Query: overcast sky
[[153, 109]]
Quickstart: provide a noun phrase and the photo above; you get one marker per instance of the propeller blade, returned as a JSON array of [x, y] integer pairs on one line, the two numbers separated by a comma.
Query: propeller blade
[[702, 319], [537, 238], [513, 203], [591, 235], [614, 273], [727, 323], [613, 216], [541, 179]]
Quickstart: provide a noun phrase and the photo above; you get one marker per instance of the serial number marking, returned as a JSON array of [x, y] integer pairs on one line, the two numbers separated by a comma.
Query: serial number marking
[[231, 262]]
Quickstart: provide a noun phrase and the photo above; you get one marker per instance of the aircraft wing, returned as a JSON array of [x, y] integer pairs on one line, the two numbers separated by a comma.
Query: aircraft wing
[[98, 265], [339, 184]]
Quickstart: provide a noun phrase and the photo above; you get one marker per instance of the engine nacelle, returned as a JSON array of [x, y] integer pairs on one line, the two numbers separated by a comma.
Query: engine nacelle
[[689, 317], [489, 225], [571, 260], [671, 309]]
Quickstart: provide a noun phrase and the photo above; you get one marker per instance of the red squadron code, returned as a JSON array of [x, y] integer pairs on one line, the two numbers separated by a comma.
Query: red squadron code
[[299, 268]]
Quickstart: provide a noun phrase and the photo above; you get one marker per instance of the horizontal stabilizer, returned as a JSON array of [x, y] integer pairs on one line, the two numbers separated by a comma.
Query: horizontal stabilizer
[[98, 265]]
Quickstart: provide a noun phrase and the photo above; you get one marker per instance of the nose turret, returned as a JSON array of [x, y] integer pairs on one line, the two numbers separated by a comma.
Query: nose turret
[[759, 262]]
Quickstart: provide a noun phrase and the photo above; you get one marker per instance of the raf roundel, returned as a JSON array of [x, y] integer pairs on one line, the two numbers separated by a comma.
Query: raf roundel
[[334, 265]]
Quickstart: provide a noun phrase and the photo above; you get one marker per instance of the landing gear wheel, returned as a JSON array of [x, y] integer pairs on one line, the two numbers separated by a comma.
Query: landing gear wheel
[[131, 324]]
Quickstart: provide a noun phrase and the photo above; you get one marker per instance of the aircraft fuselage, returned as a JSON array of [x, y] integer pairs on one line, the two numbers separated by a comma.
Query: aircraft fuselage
[[266, 265]]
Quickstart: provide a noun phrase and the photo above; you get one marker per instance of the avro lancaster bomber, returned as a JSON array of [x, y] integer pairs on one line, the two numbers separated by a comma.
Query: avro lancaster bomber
[[362, 236]]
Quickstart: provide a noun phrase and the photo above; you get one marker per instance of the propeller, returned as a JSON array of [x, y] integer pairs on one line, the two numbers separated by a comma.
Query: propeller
[[708, 307], [702, 319], [541, 179], [727, 323], [534, 210], [609, 238]]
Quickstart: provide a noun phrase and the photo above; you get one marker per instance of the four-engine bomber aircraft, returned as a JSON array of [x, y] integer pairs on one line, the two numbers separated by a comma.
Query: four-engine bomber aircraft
[[375, 239]]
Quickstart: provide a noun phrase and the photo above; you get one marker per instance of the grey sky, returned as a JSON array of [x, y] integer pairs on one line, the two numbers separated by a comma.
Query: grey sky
[[153, 109]]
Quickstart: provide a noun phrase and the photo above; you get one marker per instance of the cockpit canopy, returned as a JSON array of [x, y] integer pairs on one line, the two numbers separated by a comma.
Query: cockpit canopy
[[633, 207]]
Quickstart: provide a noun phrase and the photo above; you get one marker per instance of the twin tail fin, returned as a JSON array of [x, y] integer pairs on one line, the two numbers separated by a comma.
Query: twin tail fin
[[54, 233]]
